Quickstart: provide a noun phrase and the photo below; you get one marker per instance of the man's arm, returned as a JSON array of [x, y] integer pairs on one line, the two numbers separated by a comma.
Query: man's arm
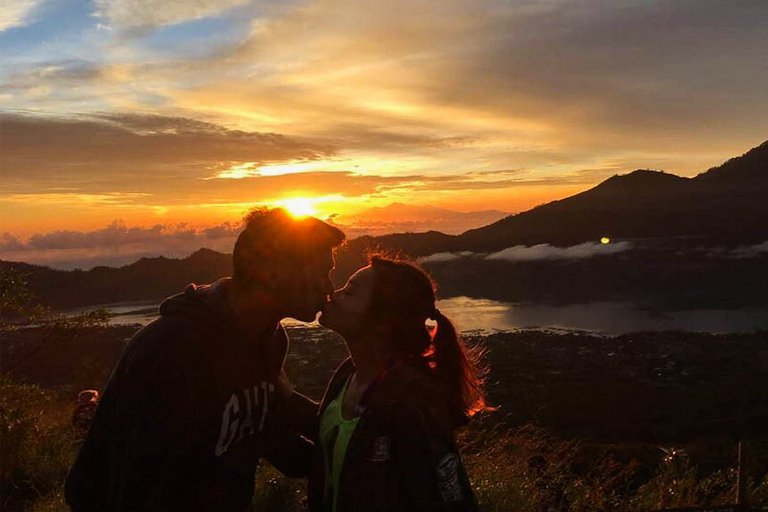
[[289, 430], [92, 476], [126, 462], [299, 412]]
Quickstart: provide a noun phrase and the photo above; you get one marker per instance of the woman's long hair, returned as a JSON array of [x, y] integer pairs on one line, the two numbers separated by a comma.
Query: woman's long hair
[[404, 297]]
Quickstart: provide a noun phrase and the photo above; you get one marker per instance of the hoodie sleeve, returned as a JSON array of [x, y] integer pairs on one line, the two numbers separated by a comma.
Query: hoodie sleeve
[[285, 447], [125, 460], [292, 424], [92, 477]]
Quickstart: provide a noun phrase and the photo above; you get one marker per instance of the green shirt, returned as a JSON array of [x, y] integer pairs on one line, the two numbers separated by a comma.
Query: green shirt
[[335, 433]]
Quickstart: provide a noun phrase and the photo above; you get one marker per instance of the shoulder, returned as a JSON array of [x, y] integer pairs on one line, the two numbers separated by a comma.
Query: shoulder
[[415, 401], [161, 340]]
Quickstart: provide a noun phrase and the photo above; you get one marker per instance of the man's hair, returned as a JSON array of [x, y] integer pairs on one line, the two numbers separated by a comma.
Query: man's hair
[[274, 237]]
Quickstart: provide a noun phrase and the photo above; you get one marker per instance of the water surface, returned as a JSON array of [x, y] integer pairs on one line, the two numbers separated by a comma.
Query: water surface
[[484, 315]]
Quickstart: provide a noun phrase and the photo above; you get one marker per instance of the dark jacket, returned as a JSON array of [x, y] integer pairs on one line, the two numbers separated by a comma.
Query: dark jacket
[[402, 455], [187, 412]]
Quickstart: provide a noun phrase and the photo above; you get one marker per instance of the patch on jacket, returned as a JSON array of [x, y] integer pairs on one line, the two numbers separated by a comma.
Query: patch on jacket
[[380, 449], [449, 479]]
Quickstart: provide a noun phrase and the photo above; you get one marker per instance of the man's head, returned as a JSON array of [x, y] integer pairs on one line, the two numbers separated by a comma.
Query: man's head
[[286, 259]]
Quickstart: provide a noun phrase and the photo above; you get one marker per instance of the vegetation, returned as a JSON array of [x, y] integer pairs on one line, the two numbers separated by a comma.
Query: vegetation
[[636, 422], [35, 451], [517, 458]]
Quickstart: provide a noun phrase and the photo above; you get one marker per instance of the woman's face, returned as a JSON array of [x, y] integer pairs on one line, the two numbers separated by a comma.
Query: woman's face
[[346, 312]]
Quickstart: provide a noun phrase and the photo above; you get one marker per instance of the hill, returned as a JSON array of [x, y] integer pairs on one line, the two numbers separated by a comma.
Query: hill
[[722, 206], [681, 230], [146, 279], [400, 218]]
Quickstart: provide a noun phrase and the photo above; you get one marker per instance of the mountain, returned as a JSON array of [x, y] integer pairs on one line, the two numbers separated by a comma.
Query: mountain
[[146, 279], [723, 206], [679, 225], [742, 171], [407, 218]]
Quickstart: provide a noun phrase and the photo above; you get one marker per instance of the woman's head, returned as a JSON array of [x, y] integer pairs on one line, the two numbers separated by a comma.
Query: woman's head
[[386, 305]]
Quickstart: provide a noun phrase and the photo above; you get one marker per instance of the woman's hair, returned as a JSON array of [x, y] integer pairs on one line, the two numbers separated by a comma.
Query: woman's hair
[[404, 296]]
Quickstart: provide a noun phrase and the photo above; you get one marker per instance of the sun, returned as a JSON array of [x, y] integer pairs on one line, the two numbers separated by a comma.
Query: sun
[[299, 206]]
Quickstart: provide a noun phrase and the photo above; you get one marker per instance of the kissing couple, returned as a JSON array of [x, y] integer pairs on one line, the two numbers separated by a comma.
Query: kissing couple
[[200, 394]]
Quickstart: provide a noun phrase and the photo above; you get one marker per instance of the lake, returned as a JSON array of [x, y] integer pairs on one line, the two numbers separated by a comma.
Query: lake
[[485, 316]]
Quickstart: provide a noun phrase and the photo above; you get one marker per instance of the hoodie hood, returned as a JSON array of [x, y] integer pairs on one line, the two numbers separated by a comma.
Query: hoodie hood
[[199, 302]]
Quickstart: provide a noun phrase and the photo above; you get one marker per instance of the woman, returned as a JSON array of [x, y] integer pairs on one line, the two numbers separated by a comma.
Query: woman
[[385, 439]]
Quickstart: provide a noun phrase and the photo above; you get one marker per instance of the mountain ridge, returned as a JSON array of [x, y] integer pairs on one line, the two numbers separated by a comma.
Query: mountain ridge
[[722, 207]]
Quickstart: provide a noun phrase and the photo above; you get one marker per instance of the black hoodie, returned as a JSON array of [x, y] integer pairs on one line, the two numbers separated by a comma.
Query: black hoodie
[[402, 454], [187, 413]]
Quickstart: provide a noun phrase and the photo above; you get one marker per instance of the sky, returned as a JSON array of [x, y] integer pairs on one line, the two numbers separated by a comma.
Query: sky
[[134, 127]]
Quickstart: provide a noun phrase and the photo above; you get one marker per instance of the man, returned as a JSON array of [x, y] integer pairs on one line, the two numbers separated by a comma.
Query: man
[[191, 406]]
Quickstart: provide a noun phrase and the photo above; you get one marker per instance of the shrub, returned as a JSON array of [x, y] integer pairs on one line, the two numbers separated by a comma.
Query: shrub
[[34, 458], [276, 492]]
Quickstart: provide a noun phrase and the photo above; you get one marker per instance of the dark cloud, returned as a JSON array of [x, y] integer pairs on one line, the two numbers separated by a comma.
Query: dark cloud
[[9, 242], [119, 234], [64, 74], [108, 147], [362, 136], [617, 69], [116, 244]]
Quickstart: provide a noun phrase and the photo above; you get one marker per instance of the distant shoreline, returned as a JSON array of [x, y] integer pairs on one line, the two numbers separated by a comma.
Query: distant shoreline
[[486, 316]]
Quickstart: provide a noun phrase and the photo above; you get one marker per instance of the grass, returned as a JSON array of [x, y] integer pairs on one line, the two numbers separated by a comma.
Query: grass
[[512, 465], [521, 469], [34, 455]]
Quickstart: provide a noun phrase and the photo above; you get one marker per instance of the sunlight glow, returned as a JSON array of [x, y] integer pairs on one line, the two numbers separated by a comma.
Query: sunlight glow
[[299, 206], [291, 168], [253, 169]]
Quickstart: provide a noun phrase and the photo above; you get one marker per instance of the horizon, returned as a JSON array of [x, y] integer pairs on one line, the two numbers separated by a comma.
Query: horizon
[[142, 128], [118, 244]]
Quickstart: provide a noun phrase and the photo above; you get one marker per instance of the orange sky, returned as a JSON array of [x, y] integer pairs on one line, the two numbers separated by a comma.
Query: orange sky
[[173, 114]]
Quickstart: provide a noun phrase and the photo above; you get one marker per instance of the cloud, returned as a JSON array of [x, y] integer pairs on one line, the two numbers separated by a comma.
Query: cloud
[[526, 74], [395, 97], [62, 73], [144, 14], [64, 198], [742, 252], [118, 234], [9, 242], [538, 252], [442, 257], [131, 145], [548, 252], [17, 13], [116, 244], [486, 84], [159, 161]]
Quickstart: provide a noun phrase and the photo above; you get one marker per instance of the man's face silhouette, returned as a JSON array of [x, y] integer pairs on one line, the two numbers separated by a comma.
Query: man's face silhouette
[[306, 288]]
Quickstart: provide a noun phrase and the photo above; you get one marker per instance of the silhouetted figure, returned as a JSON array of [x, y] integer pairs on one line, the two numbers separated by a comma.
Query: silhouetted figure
[[384, 434], [191, 406], [82, 416]]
